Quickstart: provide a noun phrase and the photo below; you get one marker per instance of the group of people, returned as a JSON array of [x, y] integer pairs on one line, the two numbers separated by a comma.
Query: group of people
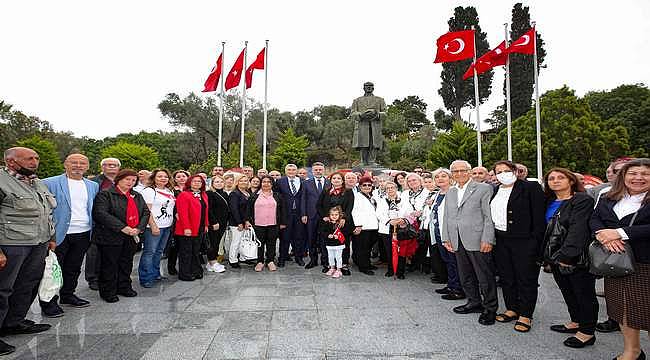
[[468, 226]]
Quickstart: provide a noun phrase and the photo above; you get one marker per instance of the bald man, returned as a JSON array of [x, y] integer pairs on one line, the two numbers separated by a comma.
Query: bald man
[[28, 232], [480, 174], [73, 222]]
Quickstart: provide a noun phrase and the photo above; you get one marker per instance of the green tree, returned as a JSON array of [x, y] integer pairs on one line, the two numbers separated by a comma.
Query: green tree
[[572, 136], [521, 66], [442, 120], [629, 106], [133, 156], [289, 149], [457, 93], [458, 143], [413, 111], [252, 154], [50, 164]]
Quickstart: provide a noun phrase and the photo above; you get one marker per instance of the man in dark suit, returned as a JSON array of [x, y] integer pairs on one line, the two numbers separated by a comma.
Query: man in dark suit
[[292, 189], [110, 168], [313, 189]]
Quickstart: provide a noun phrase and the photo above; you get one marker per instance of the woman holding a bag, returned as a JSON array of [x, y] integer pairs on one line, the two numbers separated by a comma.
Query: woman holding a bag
[[218, 213], [120, 215], [623, 216], [238, 205], [191, 227], [569, 209], [267, 215]]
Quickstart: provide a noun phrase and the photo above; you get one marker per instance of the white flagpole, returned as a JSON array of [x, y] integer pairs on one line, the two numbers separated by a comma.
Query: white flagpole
[[266, 88], [243, 110], [508, 115], [223, 51], [476, 103], [538, 118]]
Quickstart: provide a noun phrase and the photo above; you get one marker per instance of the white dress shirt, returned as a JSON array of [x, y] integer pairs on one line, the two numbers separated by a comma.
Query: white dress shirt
[[626, 206], [296, 182], [461, 191], [499, 208]]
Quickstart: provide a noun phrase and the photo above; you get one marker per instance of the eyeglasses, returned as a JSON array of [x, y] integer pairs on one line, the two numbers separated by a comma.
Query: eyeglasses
[[111, 165], [459, 171], [366, 185]]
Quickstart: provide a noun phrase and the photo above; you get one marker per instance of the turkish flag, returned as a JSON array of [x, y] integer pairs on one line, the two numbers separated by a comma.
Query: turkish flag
[[495, 57], [234, 76], [525, 44], [454, 46], [213, 79], [257, 64]]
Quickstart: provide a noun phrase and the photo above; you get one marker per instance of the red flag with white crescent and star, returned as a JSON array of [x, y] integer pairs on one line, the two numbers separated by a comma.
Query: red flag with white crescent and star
[[525, 44], [234, 76], [213, 79], [257, 64], [454, 46], [495, 57]]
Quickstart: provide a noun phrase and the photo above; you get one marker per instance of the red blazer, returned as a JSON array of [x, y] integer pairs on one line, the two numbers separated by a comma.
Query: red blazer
[[188, 212]]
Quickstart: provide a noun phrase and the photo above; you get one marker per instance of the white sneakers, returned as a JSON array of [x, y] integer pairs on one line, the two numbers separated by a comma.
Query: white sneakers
[[216, 267]]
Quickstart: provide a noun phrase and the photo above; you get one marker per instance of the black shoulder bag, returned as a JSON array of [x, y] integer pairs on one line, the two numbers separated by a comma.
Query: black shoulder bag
[[611, 264]]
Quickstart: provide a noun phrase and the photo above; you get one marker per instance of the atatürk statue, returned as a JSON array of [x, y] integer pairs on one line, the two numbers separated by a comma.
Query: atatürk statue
[[368, 112]]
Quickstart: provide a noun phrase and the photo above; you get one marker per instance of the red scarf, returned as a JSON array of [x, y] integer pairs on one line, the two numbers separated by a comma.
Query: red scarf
[[132, 213], [336, 191]]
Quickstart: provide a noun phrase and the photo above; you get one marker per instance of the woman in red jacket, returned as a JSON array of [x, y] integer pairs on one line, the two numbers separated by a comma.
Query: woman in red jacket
[[191, 225]]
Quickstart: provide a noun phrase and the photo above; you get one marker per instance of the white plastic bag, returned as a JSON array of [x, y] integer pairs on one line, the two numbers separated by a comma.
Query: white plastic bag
[[52, 278], [248, 245]]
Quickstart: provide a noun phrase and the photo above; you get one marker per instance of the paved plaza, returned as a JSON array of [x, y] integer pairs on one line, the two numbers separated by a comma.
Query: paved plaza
[[298, 314]]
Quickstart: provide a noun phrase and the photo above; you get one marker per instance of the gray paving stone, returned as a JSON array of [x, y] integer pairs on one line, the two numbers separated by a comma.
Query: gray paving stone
[[238, 345], [180, 344], [290, 344], [55, 347], [295, 320], [247, 321]]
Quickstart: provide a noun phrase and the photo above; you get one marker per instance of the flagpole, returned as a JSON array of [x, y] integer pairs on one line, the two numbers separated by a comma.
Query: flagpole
[[538, 121], [476, 102], [243, 111], [223, 51], [266, 89], [508, 114]]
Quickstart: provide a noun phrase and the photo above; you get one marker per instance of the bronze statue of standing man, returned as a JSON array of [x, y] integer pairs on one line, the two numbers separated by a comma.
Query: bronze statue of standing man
[[368, 112]]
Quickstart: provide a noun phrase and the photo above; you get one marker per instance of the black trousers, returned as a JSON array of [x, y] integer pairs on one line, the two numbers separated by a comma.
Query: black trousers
[[316, 246], [19, 281], [476, 272], [516, 259], [92, 264], [579, 292], [294, 235], [267, 235], [70, 255], [215, 237], [117, 264], [189, 263], [172, 253], [361, 245]]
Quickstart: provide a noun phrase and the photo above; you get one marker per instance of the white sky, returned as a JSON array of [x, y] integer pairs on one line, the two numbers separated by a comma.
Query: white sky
[[99, 69]]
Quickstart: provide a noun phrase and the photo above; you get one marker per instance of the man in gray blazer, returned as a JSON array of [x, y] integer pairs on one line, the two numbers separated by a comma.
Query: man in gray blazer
[[468, 231]]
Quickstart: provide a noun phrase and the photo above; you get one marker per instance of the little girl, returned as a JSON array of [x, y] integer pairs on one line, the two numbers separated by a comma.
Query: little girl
[[334, 241]]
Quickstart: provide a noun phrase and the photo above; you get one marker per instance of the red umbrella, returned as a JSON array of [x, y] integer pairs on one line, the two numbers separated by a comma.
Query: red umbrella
[[395, 249]]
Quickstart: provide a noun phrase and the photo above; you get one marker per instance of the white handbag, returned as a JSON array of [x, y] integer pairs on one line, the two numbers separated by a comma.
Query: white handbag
[[248, 245], [52, 278]]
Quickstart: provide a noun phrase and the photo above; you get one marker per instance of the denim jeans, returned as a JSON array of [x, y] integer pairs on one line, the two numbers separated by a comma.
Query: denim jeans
[[149, 268]]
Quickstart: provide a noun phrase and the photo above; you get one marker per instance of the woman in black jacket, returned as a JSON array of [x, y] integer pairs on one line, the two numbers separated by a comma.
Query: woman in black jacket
[[567, 200], [120, 215], [623, 216], [517, 208], [218, 214], [337, 195], [267, 214], [238, 202]]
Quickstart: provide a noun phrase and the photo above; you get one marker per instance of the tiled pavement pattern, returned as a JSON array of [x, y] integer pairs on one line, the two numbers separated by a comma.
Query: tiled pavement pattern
[[298, 314]]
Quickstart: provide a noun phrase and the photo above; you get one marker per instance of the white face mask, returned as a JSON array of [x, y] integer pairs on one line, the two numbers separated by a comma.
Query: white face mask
[[507, 178]]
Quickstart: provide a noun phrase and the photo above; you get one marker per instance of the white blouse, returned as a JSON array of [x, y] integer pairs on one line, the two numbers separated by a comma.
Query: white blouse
[[626, 206], [499, 207]]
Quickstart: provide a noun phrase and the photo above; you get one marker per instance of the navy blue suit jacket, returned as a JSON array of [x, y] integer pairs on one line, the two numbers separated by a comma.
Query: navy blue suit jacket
[[282, 186], [312, 194]]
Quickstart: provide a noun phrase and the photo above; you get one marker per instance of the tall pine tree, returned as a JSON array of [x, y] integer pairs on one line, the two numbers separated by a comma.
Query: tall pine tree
[[522, 80], [456, 92]]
